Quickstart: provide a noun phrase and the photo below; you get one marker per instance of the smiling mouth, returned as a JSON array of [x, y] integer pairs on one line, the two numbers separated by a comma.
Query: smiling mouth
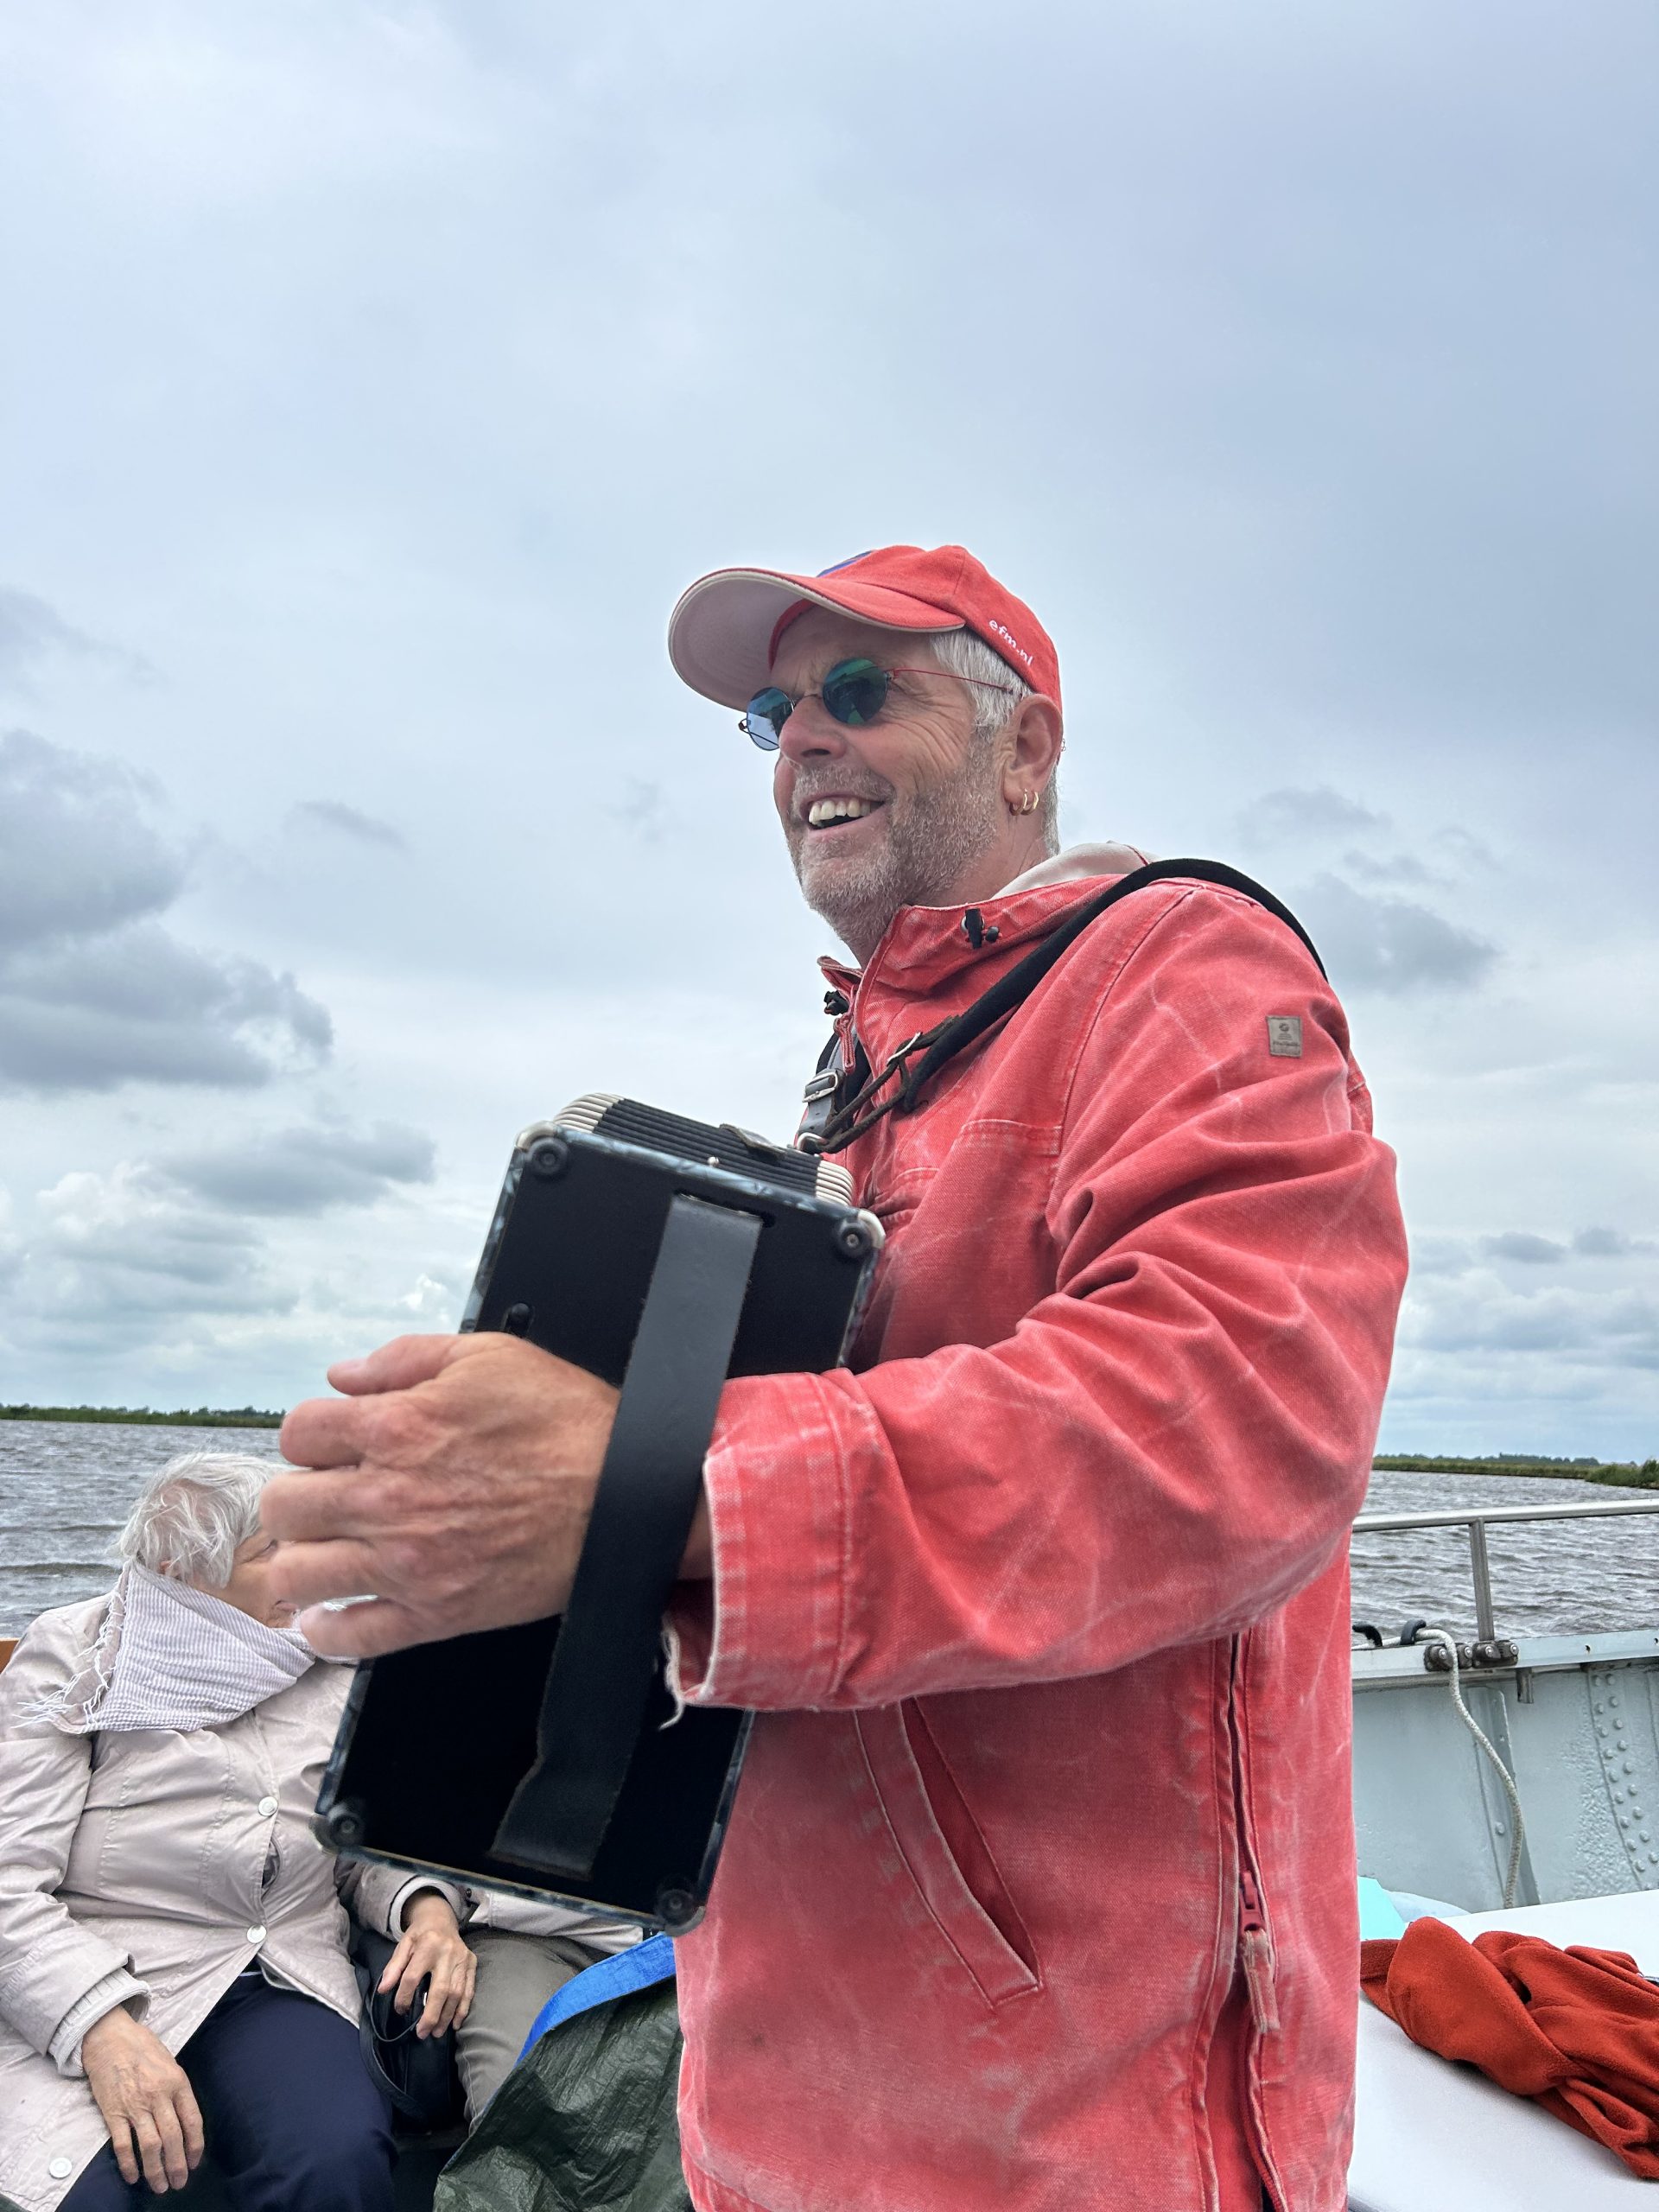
[[831, 814]]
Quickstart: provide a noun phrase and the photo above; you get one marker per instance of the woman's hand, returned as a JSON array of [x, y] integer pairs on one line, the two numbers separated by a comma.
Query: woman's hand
[[430, 1944], [145, 2097]]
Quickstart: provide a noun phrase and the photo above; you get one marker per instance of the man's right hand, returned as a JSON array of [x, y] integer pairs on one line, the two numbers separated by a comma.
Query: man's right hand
[[145, 2097]]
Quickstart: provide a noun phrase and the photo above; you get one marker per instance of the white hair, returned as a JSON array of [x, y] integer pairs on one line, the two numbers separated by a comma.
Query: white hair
[[193, 1513], [965, 653]]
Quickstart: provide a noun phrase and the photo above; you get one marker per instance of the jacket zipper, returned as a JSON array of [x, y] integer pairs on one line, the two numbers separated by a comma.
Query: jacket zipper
[[1255, 1955]]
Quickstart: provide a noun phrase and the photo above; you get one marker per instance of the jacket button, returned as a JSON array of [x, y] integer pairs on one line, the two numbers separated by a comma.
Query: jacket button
[[256, 1934], [267, 1807], [61, 2169]]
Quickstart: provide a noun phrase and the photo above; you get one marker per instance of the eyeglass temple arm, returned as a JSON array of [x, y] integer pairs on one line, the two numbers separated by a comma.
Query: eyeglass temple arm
[[980, 682]]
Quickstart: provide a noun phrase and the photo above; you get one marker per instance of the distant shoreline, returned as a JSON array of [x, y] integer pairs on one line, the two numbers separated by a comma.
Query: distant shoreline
[[142, 1417], [1625, 1473]]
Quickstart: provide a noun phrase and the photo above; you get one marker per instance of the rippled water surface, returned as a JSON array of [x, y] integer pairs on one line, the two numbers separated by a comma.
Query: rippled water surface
[[1547, 1577], [65, 1488]]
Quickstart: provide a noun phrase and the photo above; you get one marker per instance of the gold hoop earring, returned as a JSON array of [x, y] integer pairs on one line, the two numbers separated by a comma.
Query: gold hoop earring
[[1027, 805]]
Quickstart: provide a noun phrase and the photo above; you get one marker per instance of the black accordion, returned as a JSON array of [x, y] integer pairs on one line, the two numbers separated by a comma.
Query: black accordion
[[663, 1255]]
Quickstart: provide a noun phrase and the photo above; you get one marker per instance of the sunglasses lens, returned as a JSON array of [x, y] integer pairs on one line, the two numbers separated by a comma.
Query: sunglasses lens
[[854, 692], [768, 711]]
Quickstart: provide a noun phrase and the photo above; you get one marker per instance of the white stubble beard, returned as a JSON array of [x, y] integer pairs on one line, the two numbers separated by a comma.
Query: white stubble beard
[[933, 836]]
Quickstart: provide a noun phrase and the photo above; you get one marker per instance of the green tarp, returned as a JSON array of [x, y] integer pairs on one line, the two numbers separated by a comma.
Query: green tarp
[[586, 2123]]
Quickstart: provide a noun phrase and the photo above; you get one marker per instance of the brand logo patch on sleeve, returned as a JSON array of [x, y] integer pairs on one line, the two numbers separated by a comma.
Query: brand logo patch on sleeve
[[1285, 1036]]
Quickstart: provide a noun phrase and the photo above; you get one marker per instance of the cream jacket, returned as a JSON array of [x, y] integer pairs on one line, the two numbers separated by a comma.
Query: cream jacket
[[148, 1869]]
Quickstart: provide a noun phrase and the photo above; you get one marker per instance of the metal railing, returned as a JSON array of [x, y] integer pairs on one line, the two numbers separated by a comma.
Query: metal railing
[[1477, 1521]]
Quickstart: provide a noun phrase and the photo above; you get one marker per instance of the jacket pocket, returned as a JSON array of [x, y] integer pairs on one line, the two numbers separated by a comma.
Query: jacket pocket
[[946, 1855]]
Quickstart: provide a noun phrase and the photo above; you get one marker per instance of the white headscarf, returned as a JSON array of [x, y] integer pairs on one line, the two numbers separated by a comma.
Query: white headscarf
[[171, 1656]]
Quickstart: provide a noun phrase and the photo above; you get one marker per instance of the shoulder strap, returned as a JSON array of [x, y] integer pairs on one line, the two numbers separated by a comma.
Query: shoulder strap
[[1010, 990], [916, 1064]]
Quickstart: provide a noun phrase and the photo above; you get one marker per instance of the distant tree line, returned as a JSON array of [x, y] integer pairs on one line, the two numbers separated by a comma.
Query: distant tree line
[[1625, 1473], [142, 1417]]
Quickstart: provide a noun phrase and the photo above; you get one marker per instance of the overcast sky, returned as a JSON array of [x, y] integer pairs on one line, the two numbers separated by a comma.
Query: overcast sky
[[373, 379]]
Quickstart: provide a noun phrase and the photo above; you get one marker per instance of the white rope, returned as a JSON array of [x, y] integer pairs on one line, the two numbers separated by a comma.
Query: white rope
[[1448, 1643]]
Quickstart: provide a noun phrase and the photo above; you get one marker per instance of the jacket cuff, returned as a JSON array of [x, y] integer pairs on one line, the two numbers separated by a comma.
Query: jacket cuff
[[768, 1629], [119, 1987], [39, 1990], [405, 1895]]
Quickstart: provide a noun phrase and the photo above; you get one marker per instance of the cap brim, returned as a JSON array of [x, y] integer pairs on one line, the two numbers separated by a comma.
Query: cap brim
[[719, 633]]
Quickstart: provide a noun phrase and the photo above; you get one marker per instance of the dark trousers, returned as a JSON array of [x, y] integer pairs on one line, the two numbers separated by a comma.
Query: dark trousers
[[293, 2122]]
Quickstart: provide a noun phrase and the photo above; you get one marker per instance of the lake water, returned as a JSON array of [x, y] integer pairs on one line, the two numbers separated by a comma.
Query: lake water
[[65, 1487]]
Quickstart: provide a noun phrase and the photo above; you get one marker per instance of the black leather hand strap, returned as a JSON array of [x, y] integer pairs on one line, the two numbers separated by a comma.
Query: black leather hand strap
[[610, 1640]]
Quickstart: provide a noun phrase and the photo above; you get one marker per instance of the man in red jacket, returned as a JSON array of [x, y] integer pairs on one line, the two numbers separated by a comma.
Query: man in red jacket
[[1039, 1890]]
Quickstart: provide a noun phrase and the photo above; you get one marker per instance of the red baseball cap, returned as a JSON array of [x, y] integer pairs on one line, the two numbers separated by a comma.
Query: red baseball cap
[[723, 634]]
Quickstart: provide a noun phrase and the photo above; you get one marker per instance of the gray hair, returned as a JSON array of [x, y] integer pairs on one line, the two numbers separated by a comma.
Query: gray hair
[[964, 653], [193, 1513]]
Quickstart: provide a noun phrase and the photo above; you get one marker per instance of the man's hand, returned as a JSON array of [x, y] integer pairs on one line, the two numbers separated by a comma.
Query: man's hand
[[431, 1945], [455, 1485], [145, 2097]]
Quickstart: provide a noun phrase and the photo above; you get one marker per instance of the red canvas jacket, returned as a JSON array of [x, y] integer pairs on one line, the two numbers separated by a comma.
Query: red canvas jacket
[[1043, 1604]]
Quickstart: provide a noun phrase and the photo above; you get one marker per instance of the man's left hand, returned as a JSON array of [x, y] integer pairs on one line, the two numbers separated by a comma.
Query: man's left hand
[[451, 1484]]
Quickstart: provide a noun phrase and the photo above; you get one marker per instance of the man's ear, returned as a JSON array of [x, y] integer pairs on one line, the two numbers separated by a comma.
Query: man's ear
[[1033, 735]]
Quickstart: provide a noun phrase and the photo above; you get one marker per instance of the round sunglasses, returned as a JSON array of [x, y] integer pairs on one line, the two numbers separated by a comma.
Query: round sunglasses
[[853, 693]]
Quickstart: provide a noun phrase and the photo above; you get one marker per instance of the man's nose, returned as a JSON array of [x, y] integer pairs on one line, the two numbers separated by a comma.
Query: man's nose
[[812, 732]]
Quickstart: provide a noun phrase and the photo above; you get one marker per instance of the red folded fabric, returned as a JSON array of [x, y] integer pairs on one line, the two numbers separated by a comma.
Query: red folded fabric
[[1577, 2031]]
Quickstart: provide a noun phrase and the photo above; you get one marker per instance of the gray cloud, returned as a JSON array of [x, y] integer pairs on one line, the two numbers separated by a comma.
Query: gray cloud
[[78, 852], [173, 1260], [1520, 1244], [138, 1006], [114, 1251], [1597, 1243], [1385, 944], [1433, 1255], [332, 814], [95, 990], [1294, 814], [31, 630], [1469, 854], [1597, 1328], [305, 1171], [1394, 867]]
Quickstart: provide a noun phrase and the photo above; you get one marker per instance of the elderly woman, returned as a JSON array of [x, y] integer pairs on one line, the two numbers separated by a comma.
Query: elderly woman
[[172, 1964]]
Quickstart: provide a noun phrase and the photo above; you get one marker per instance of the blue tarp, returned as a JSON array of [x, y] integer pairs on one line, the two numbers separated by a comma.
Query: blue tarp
[[619, 1976]]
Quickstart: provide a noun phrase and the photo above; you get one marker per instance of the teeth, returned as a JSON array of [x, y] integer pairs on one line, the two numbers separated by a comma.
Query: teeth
[[838, 810]]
